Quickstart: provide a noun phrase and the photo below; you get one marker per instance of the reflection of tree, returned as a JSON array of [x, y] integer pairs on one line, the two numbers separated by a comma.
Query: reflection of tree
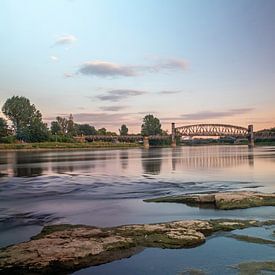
[[124, 155], [211, 157], [151, 161], [27, 165]]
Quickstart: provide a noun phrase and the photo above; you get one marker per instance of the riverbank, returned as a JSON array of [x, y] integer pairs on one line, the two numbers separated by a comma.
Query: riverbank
[[66, 145], [97, 145]]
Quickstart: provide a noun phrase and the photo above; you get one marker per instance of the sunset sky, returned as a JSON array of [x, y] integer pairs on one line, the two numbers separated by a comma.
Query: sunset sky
[[112, 62]]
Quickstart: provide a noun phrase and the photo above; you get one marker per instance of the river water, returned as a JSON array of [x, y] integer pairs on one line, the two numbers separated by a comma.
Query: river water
[[107, 188]]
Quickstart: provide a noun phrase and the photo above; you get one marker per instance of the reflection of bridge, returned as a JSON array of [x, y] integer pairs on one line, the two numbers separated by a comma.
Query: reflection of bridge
[[222, 130], [212, 157]]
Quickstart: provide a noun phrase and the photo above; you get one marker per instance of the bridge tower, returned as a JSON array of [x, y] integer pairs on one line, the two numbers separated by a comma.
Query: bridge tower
[[173, 144], [250, 136]]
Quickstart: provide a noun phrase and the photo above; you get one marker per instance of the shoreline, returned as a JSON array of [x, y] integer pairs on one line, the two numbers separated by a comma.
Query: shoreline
[[61, 146]]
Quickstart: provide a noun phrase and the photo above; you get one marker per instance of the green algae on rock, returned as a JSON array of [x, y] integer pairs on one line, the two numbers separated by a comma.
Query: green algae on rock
[[255, 268], [223, 200], [63, 248], [251, 239]]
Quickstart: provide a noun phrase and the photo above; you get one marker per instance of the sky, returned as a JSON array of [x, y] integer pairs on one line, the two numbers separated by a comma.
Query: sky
[[111, 62]]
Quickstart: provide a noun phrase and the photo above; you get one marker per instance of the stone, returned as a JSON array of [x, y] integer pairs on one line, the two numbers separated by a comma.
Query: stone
[[223, 200], [65, 248]]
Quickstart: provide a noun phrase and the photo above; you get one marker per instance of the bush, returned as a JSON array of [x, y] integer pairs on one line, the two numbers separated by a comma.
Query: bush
[[8, 139], [60, 138]]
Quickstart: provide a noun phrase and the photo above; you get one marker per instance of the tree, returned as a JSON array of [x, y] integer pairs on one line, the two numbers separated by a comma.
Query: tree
[[55, 128], [85, 129], [37, 131], [123, 131], [3, 127], [102, 131], [71, 129], [26, 119], [63, 124], [151, 126]]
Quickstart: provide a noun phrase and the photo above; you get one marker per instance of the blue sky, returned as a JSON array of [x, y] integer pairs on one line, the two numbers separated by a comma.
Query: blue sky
[[111, 62]]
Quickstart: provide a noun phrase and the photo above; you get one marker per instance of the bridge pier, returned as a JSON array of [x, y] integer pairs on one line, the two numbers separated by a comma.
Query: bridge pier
[[146, 143], [250, 136], [173, 144]]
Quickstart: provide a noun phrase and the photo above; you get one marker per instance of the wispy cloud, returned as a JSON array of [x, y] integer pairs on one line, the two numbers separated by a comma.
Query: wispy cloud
[[103, 69], [109, 69], [216, 114], [169, 92], [54, 58], [112, 108], [65, 40], [170, 64], [117, 95], [68, 75]]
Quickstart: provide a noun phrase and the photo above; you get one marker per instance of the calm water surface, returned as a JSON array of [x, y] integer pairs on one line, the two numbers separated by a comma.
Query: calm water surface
[[107, 187]]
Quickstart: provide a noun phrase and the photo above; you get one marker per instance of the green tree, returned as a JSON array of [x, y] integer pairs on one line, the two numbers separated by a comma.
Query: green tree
[[3, 127], [85, 129], [63, 124], [26, 119], [55, 128], [71, 129], [151, 126], [102, 131], [123, 131], [37, 131]]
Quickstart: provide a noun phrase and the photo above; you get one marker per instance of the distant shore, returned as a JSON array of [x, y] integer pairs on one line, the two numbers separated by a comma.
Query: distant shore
[[65, 145]]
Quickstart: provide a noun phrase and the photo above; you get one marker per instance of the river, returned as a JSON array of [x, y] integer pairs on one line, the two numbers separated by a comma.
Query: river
[[107, 188]]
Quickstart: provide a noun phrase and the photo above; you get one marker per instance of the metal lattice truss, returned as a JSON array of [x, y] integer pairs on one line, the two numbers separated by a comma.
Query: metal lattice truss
[[212, 130]]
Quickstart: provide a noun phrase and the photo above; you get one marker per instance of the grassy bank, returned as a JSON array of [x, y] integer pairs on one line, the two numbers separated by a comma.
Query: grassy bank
[[66, 145]]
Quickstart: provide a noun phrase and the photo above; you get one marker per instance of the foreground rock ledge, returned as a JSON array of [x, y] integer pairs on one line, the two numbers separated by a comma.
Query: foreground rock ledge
[[224, 200], [62, 248]]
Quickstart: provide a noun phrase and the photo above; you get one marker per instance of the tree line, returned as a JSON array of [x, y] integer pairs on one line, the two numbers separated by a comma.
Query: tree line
[[26, 125]]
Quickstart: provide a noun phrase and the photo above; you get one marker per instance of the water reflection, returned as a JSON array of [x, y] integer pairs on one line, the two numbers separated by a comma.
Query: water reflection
[[211, 157], [151, 161], [23, 167], [124, 156]]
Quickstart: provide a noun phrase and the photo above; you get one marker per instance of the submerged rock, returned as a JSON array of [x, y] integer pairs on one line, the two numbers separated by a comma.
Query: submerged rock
[[254, 268], [62, 248], [224, 200]]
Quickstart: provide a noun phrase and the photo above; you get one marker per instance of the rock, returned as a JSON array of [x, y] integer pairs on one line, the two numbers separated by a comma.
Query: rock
[[252, 268], [62, 248], [224, 200]]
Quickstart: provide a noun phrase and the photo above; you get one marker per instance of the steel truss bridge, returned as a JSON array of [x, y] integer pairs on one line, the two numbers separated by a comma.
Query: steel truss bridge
[[212, 130], [222, 130]]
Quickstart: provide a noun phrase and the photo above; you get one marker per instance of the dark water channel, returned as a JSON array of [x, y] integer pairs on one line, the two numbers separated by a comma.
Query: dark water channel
[[107, 187]]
